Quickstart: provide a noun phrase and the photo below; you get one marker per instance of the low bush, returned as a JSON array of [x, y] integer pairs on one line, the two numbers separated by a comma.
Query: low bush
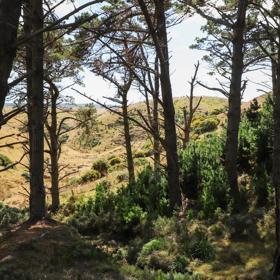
[[203, 174], [101, 166], [121, 213], [201, 248], [10, 216], [143, 153], [114, 161], [141, 162], [89, 176], [204, 125]]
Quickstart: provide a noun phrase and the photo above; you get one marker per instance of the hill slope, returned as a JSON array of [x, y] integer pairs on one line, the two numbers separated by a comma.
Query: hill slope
[[14, 187]]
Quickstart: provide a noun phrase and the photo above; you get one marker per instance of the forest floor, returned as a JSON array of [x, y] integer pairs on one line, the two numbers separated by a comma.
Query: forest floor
[[54, 251], [51, 250]]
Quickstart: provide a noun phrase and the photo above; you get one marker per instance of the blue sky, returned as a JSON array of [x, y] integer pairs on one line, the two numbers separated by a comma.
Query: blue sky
[[182, 65]]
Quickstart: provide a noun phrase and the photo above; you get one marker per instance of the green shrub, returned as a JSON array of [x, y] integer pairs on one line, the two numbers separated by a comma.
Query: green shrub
[[153, 245], [5, 161], [140, 162], [203, 174], [203, 125], [87, 123], [121, 213], [10, 216], [216, 112], [89, 176], [153, 256], [202, 249], [255, 148], [114, 161], [101, 166], [179, 264], [149, 193]]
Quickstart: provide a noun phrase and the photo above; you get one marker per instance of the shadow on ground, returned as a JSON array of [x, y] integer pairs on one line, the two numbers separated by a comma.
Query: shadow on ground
[[50, 250]]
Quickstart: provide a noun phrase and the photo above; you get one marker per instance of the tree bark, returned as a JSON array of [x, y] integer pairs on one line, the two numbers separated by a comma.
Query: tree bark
[[168, 108], [9, 21], [36, 115], [127, 136], [159, 36], [54, 154], [276, 156], [186, 137], [155, 123], [234, 111]]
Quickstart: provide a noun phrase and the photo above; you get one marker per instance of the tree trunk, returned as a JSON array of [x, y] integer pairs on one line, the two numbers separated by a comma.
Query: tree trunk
[[276, 157], [54, 154], [155, 124], [234, 111], [36, 115], [168, 108], [9, 21], [127, 136], [186, 137]]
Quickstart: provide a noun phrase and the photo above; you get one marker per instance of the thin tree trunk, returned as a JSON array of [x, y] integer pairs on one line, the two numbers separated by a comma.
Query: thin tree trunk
[[234, 111], [127, 136], [155, 123], [54, 155], [168, 108], [186, 137], [9, 21], [36, 116], [276, 157]]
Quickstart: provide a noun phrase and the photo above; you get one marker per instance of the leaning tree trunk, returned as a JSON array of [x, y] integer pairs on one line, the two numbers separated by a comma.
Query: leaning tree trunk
[[276, 157], [234, 111], [127, 136], [36, 114], [168, 108], [9, 21]]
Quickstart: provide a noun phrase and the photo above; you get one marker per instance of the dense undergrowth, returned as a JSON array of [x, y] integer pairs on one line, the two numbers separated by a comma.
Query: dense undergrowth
[[145, 235]]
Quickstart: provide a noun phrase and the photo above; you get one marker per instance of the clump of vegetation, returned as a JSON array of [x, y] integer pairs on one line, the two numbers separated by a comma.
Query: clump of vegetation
[[203, 174], [122, 177], [88, 127], [113, 161], [10, 216], [218, 111], [143, 153], [101, 166], [205, 124], [5, 161], [89, 176], [121, 213]]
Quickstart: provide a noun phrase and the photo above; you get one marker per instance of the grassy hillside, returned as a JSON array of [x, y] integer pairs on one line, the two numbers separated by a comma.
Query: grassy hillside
[[14, 185]]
